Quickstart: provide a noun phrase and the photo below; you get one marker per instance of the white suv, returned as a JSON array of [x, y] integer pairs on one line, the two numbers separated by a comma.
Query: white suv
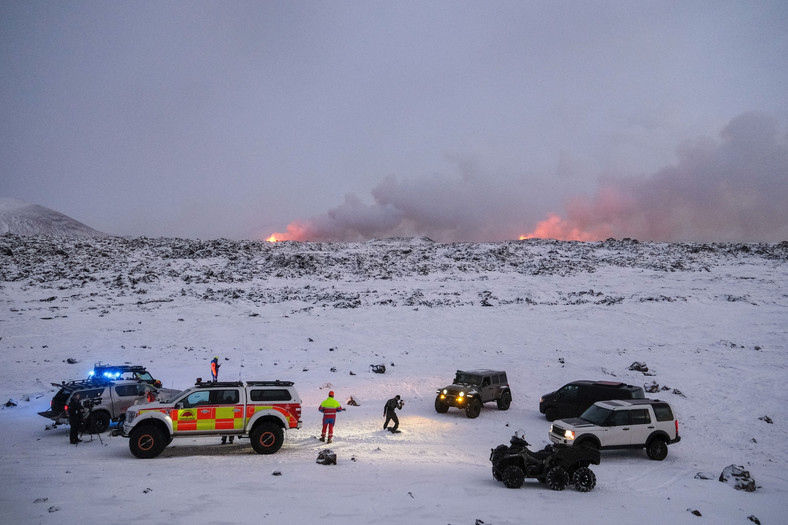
[[635, 423]]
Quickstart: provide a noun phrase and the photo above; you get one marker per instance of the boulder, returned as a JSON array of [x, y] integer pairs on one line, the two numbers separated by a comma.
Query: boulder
[[740, 479], [639, 367]]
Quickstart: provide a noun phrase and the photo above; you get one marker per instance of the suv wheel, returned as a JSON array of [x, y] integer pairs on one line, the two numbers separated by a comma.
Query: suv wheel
[[657, 449], [473, 409], [588, 443], [440, 406], [551, 414], [147, 442], [98, 422], [513, 477], [584, 479], [557, 478], [267, 438], [505, 401]]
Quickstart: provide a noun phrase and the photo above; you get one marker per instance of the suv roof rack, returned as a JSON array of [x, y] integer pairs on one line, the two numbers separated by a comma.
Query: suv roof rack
[[270, 383]]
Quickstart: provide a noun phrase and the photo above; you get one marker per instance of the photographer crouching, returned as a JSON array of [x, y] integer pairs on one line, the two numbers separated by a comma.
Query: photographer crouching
[[389, 412]]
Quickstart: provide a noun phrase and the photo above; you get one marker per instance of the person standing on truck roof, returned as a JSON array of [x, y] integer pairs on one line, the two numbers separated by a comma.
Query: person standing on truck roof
[[329, 408], [74, 418], [215, 368]]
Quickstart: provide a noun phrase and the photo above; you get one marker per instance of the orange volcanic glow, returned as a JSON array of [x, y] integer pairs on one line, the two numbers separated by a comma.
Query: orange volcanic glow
[[272, 238], [554, 227]]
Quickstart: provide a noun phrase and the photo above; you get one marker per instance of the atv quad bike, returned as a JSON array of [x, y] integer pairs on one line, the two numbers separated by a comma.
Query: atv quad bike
[[556, 465]]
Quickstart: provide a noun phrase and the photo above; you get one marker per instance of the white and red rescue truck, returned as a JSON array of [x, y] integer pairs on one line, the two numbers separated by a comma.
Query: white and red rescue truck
[[259, 410]]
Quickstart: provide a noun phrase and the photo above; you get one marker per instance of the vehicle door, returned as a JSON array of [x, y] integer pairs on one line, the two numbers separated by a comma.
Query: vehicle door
[[641, 426], [209, 410], [123, 396], [617, 429], [230, 412], [566, 399], [487, 389]]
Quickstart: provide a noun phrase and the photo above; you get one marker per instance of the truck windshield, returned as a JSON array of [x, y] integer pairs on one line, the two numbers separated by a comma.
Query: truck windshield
[[596, 414]]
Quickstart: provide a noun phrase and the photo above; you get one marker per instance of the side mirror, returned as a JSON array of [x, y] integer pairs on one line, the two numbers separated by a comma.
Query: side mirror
[[178, 405]]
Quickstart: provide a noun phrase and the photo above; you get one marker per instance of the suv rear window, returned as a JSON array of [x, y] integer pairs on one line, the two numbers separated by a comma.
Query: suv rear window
[[663, 412], [274, 394]]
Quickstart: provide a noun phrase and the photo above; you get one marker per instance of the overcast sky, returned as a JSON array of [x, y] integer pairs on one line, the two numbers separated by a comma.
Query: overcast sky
[[458, 120]]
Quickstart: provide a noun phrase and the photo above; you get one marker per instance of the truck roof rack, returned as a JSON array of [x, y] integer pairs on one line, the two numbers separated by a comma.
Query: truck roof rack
[[270, 383], [218, 383]]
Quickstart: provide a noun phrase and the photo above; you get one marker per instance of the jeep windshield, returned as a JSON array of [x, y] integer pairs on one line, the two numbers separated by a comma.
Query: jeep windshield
[[596, 415], [467, 379]]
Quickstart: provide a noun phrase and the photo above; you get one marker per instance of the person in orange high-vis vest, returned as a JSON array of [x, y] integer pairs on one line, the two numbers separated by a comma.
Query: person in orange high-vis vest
[[329, 408], [215, 369]]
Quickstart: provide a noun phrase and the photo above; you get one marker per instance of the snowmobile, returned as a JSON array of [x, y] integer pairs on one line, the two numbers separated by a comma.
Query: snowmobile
[[555, 465]]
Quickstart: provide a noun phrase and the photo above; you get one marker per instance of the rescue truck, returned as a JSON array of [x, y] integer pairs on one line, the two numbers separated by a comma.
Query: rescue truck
[[259, 410]]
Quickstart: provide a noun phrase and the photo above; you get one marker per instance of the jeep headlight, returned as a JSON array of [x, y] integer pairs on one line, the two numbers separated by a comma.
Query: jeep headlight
[[569, 434], [462, 394], [445, 391]]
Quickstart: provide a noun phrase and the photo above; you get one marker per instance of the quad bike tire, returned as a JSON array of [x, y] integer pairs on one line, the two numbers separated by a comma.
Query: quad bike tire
[[557, 478], [584, 479], [513, 477]]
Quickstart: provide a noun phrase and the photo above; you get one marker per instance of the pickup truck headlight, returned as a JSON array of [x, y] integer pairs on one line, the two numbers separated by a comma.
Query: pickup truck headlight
[[569, 434], [130, 416]]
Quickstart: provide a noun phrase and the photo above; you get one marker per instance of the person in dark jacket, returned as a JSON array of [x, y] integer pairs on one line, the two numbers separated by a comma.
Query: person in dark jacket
[[74, 418], [389, 411]]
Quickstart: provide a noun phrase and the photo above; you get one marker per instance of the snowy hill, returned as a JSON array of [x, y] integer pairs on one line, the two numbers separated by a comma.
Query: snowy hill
[[23, 218], [708, 320]]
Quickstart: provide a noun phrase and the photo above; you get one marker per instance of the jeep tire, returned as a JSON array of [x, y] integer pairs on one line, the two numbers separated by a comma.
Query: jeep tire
[[513, 477], [505, 401], [440, 406], [473, 409], [657, 449], [147, 442], [584, 479], [267, 438], [98, 422], [557, 478]]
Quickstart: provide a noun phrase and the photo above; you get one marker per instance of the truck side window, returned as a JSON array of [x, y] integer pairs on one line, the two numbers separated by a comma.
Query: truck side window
[[273, 394], [224, 397], [196, 398]]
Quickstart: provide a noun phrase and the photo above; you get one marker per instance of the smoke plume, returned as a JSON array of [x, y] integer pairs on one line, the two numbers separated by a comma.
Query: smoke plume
[[729, 189]]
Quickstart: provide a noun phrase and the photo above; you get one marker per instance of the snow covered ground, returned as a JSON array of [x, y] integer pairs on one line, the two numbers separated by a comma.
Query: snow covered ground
[[708, 320]]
